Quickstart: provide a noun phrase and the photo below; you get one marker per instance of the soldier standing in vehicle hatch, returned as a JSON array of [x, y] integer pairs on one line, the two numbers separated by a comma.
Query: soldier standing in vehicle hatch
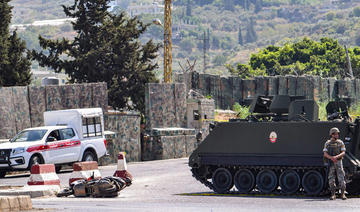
[[334, 151]]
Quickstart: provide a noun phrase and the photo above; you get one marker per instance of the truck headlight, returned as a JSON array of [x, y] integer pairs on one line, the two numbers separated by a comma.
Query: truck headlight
[[18, 150]]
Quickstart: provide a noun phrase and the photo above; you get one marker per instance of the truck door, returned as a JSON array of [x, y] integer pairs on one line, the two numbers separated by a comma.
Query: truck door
[[63, 146]]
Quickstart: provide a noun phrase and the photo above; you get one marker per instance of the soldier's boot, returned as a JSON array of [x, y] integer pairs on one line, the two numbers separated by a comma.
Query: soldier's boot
[[332, 196], [343, 197]]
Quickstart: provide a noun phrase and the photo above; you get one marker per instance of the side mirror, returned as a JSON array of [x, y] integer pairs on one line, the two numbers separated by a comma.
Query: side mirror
[[50, 139]]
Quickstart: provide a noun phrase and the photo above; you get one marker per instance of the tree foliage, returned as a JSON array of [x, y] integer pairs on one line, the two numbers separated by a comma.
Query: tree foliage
[[15, 62], [326, 58], [251, 35], [240, 38], [107, 49]]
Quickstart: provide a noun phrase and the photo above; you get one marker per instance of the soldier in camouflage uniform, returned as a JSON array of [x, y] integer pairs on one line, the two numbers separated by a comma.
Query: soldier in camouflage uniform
[[334, 152]]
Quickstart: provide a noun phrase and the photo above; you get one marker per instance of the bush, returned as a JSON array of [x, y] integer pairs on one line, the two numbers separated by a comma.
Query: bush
[[357, 39], [219, 60], [356, 11], [330, 16], [242, 111], [187, 45]]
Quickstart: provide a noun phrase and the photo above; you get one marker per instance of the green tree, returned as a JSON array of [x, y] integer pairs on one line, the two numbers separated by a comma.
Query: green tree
[[187, 45], [250, 36], [325, 58], [229, 5], [219, 60], [105, 49], [240, 38], [188, 8], [15, 62], [258, 6], [330, 16], [356, 11]]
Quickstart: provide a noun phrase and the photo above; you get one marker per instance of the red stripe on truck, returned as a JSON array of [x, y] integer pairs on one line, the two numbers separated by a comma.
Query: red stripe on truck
[[52, 146]]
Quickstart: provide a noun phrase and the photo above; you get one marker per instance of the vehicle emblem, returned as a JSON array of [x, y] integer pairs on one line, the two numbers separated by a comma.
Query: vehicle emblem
[[273, 137], [2, 153]]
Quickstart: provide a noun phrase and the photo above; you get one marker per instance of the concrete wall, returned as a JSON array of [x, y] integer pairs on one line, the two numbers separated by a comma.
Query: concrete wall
[[165, 105], [226, 91], [23, 107], [126, 126]]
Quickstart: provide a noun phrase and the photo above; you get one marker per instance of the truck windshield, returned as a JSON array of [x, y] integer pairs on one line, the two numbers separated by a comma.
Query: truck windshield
[[29, 135]]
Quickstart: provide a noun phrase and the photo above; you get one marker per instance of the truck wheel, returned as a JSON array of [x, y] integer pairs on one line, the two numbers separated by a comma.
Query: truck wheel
[[57, 168], [35, 159], [2, 174], [89, 156]]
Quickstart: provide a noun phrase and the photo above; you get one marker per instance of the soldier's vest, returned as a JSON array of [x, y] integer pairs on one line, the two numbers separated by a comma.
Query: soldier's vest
[[334, 148]]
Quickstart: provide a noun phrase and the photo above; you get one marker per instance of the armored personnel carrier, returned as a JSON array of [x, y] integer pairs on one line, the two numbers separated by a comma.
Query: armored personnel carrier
[[277, 149]]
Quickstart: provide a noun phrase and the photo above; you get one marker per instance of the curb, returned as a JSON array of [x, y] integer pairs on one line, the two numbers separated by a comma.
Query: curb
[[32, 191], [18, 203]]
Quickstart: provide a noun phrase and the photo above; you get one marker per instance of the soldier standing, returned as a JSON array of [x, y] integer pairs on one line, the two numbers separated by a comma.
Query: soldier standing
[[334, 151]]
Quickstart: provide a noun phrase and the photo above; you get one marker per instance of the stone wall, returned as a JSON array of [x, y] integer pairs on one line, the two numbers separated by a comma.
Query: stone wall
[[126, 126], [226, 91], [169, 143], [23, 107], [165, 105]]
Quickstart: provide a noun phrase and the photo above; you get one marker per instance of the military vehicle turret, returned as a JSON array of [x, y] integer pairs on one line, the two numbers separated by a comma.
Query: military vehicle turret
[[277, 149]]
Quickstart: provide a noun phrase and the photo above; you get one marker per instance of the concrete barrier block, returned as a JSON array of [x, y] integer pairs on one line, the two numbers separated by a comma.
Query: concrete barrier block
[[14, 203], [83, 166], [25, 202], [4, 204], [85, 170], [43, 174]]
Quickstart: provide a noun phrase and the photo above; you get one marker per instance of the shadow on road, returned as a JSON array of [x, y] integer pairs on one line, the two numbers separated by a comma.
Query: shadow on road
[[27, 174], [279, 196]]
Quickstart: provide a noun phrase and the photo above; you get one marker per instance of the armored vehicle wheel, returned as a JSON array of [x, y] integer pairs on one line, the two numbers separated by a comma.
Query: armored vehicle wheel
[[222, 180], [313, 182], [266, 181], [244, 180], [289, 181], [353, 188]]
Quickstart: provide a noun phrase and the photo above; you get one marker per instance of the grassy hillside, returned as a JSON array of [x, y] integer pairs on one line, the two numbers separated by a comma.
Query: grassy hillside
[[27, 11], [261, 22]]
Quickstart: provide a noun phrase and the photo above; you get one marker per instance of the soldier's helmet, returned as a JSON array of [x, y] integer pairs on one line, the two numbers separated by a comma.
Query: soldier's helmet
[[334, 130]]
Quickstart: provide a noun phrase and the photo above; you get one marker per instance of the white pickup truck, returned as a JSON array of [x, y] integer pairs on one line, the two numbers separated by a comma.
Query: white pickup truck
[[68, 136]]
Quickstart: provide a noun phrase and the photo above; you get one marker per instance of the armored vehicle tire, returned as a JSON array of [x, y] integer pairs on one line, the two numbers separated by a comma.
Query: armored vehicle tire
[[289, 182], [244, 180], [222, 180], [313, 182], [2, 174], [266, 181]]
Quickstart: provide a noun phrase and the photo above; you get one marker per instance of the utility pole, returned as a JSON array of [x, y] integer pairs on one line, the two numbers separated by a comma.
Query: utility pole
[[167, 43]]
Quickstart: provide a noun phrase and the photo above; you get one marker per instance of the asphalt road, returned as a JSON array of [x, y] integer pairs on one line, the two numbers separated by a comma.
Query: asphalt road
[[168, 186]]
